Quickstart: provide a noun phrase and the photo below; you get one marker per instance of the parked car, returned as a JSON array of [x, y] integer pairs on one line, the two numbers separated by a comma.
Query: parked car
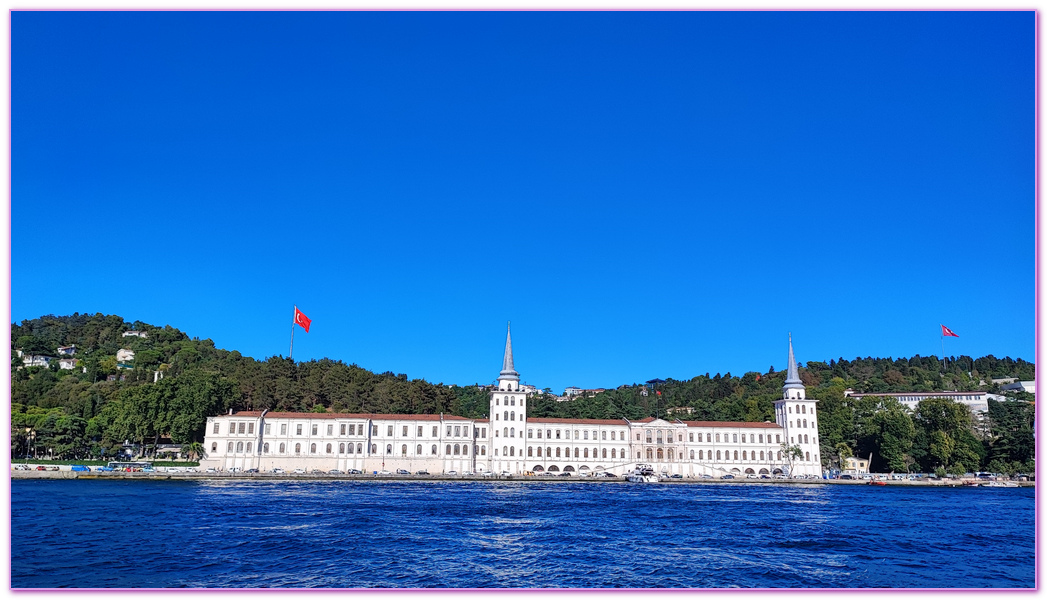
[[487, 474], [22, 468], [506, 474], [80, 468], [565, 474], [354, 472], [402, 472], [41, 468], [334, 472], [422, 472], [105, 469], [251, 471], [451, 473], [299, 471], [750, 476], [383, 472], [676, 476], [468, 474], [727, 476], [212, 470], [706, 476]]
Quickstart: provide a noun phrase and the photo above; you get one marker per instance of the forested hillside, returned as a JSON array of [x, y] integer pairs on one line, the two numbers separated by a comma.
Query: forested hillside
[[175, 382]]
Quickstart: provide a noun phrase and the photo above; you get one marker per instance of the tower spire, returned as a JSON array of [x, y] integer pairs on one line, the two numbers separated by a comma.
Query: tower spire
[[792, 377], [507, 359]]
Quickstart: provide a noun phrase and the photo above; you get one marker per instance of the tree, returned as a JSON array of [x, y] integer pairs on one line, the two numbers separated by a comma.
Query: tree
[[891, 434], [791, 453]]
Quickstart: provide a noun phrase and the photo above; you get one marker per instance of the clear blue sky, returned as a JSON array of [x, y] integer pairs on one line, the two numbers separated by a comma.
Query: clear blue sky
[[642, 194]]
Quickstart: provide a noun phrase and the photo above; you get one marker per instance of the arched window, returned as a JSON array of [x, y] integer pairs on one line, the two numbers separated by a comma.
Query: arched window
[[248, 447], [434, 449], [803, 409], [418, 450], [512, 450], [239, 446], [329, 448], [457, 449], [530, 451], [701, 455], [283, 448], [265, 448], [670, 454], [779, 455], [805, 440], [483, 450], [548, 452], [448, 453], [760, 438], [341, 448], [586, 453], [761, 455], [805, 423], [297, 448], [539, 451], [604, 454], [557, 452], [512, 415], [360, 448], [614, 454], [650, 454], [717, 437], [735, 455], [214, 446], [403, 450], [505, 416], [505, 450], [230, 449], [350, 448], [388, 449], [312, 448], [576, 452], [692, 454], [717, 455], [808, 456], [744, 455], [512, 432], [505, 432]]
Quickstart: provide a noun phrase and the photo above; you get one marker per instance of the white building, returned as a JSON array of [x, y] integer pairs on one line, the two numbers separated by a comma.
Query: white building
[[509, 441]]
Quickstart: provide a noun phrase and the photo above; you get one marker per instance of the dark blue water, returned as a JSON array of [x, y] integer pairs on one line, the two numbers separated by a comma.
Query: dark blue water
[[341, 534]]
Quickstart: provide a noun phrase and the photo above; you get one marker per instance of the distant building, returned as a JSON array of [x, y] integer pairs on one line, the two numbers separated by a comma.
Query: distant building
[[141, 334], [66, 363], [124, 355], [1020, 386], [854, 466], [978, 402], [570, 392], [36, 360], [67, 350]]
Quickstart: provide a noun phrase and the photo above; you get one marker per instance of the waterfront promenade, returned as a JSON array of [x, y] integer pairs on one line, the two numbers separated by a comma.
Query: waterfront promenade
[[65, 473]]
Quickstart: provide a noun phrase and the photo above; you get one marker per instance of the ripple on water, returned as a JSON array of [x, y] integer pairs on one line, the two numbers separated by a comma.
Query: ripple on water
[[483, 535]]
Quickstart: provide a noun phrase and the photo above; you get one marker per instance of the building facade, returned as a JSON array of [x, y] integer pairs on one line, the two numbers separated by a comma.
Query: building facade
[[510, 442]]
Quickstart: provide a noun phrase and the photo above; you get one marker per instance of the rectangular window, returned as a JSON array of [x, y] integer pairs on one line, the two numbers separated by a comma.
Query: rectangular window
[[448, 431], [250, 428], [457, 431], [314, 429], [299, 429], [604, 436], [242, 427], [352, 429], [435, 434], [735, 437], [389, 430], [419, 431], [539, 434], [405, 430], [778, 439], [330, 430], [557, 434], [341, 429], [717, 437], [374, 430], [690, 437], [586, 434], [215, 427], [283, 428], [575, 434]]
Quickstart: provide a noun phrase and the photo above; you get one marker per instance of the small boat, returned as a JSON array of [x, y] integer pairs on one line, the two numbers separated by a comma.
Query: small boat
[[876, 483], [642, 474], [1007, 484]]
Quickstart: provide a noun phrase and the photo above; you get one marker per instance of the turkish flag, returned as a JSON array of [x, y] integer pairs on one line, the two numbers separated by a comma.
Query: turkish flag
[[945, 331], [301, 319]]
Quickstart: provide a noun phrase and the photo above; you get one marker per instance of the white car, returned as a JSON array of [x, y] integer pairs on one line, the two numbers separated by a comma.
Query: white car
[[488, 473], [506, 474], [299, 471], [383, 472], [451, 473]]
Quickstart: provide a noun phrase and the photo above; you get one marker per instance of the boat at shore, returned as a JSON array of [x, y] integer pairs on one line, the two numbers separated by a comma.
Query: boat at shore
[[643, 473]]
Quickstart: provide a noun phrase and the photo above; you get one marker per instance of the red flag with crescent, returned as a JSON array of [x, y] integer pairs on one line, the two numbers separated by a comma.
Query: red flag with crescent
[[301, 319], [945, 331]]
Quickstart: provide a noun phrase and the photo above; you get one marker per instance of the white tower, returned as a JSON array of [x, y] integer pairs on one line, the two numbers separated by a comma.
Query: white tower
[[508, 417], [796, 414]]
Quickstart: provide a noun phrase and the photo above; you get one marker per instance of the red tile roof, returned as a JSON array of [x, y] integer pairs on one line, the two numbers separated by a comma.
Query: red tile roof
[[732, 424], [310, 415], [580, 421]]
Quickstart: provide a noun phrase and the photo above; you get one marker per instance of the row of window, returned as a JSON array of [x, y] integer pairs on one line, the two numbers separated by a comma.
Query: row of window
[[802, 409], [509, 401], [804, 426], [358, 448], [247, 428]]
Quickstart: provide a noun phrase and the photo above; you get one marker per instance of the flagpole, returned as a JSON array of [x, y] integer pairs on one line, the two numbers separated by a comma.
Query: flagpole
[[290, 354]]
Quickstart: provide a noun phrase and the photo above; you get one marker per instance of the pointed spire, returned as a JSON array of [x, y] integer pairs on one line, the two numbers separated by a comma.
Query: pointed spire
[[793, 376], [507, 360]]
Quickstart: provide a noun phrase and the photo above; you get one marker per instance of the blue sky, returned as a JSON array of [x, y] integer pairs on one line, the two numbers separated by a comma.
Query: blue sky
[[642, 194]]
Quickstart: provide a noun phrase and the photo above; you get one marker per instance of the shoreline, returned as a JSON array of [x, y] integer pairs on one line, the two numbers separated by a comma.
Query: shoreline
[[92, 476]]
